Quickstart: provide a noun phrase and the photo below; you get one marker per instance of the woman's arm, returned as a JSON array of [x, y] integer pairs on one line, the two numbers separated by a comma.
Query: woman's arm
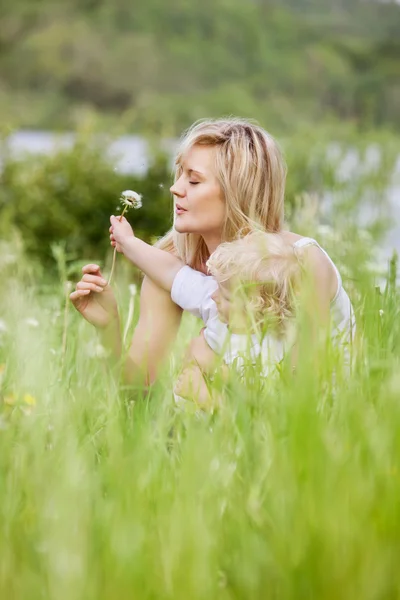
[[156, 329], [154, 334]]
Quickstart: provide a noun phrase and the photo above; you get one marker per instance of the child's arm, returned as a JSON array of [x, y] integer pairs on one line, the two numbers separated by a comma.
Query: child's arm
[[200, 354], [159, 265], [191, 385], [200, 360]]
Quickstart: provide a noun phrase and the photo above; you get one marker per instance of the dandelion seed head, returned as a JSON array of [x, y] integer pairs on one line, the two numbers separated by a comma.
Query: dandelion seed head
[[131, 199]]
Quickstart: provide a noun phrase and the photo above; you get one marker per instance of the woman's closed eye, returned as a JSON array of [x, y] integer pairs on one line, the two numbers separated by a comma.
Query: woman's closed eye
[[194, 182]]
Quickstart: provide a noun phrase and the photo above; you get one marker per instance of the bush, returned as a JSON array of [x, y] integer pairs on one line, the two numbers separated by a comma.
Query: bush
[[69, 196]]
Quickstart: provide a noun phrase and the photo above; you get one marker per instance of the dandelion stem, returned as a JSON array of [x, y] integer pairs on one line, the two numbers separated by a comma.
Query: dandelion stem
[[115, 250]]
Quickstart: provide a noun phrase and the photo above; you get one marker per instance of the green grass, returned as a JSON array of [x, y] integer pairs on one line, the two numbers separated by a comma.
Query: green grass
[[291, 491]]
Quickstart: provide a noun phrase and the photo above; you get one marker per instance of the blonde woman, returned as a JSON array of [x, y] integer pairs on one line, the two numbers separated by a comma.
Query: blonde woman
[[230, 179]]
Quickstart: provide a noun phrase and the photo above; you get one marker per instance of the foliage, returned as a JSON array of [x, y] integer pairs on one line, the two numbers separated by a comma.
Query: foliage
[[161, 65], [289, 491]]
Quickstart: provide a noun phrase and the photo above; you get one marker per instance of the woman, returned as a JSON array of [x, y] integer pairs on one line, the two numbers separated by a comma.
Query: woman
[[230, 177]]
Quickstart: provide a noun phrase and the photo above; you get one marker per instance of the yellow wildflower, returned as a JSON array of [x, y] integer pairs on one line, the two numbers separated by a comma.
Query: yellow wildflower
[[10, 399], [29, 399]]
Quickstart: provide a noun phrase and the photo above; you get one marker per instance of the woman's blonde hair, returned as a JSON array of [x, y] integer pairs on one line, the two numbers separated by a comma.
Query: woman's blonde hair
[[251, 171], [266, 260]]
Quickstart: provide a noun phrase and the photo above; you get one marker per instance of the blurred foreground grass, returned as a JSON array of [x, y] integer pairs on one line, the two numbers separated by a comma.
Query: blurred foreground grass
[[288, 492]]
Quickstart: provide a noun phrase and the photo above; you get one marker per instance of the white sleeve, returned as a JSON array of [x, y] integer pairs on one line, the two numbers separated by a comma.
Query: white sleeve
[[216, 334], [191, 290]]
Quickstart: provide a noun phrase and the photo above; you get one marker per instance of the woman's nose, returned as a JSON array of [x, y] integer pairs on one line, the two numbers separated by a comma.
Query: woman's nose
[[177, 190]]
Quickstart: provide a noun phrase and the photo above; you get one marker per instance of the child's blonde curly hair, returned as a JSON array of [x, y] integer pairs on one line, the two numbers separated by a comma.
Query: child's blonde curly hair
[[266, 260]]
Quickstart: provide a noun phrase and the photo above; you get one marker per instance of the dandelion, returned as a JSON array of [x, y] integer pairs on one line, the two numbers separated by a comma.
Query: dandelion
[[129, 199]]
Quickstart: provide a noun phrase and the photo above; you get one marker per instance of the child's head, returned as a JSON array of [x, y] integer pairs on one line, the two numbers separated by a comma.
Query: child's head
[[257, 276]]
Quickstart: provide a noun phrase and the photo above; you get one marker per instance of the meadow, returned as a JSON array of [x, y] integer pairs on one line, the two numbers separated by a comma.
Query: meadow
[[289, 490]]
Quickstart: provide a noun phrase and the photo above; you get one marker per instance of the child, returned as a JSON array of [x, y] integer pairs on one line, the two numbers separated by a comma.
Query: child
[[253, 281]]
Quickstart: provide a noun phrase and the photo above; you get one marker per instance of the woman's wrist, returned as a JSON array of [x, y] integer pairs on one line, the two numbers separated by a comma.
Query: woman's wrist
[[110, 337]]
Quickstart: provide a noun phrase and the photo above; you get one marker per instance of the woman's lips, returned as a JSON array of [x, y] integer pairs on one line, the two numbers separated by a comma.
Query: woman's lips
[[179, 210]]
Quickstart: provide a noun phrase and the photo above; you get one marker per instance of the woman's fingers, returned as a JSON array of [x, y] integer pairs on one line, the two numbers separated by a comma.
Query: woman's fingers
[[84, 285], [78, 294], [91, 268], [96, 279]]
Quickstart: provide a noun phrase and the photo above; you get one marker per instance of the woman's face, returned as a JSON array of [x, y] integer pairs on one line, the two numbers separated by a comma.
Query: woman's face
[[199, 203]]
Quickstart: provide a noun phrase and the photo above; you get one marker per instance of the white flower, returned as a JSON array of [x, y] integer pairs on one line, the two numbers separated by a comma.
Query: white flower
[[132, 289], [32, 322], [131, 199], [381, 312]]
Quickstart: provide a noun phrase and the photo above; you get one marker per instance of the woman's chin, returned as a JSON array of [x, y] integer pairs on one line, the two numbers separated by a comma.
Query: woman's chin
[[182, 227]]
